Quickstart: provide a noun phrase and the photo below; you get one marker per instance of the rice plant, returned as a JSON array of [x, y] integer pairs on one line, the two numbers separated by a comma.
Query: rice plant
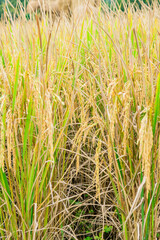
[[79, 126]]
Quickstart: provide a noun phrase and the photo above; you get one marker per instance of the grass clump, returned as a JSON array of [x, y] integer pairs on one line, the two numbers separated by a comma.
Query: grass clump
[[79, 125]]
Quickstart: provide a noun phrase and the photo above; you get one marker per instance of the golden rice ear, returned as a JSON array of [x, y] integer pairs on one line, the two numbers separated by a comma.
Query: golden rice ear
[[9, 135], [2, 145], [97, 156], [146, 143], [49, 123]]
